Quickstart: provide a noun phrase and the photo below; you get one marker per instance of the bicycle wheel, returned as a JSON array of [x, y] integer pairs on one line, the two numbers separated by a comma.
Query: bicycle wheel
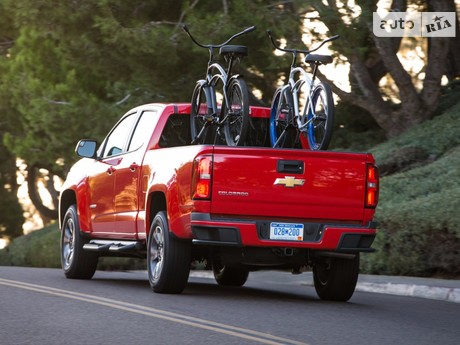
[[198, 114], [281, 115], [237, 113], [320, 117]]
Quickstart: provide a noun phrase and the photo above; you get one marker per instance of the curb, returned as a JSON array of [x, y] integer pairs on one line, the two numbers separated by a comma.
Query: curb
[[410, 290], [447, 294]]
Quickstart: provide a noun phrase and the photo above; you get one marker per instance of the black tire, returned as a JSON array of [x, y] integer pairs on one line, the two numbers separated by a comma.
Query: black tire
[[168, 258], [76, 262], [235, 275], [335, 279], [281, 117], [237, 112], [199, 110], [319, 130]]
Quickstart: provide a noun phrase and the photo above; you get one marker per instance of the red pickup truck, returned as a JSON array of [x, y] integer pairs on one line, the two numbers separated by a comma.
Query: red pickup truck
[[146, 192]]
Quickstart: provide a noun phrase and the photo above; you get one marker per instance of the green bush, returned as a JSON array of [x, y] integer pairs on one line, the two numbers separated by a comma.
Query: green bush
[[420, 145], [41, 248], [37, 249], [419, 232]]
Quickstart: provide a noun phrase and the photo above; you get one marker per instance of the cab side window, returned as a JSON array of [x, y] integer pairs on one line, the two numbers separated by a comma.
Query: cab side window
[[115, 143], [144, 128]]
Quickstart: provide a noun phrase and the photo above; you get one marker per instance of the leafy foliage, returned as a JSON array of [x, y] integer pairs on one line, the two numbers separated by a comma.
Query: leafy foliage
[[73, 72], [37, 249], [419, 203], [11, 218], [424, 143], [411, 94], [78, 69]]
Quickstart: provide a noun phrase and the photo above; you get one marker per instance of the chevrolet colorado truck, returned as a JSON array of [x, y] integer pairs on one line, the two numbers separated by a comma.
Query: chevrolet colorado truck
[[145, 191]]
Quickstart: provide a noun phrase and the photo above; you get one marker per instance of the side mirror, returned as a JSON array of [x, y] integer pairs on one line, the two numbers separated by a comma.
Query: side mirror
[[86, 148]]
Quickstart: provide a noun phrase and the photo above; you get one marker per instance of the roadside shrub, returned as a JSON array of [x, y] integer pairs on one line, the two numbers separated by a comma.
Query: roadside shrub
[[421, 145], [419, 221], [41, 248], [38, 249]]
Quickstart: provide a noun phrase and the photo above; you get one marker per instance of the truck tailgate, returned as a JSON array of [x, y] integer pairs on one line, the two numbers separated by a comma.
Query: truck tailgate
[[274, 183]]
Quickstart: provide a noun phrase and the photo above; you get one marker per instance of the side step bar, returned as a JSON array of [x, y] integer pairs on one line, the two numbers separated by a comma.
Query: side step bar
[[114, 246]]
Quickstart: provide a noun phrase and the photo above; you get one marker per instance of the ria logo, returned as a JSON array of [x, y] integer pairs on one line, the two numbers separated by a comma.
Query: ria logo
[[439, 23]]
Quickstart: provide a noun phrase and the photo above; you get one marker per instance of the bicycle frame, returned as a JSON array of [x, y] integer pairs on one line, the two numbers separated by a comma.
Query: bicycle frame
[[213, 77], [296, 86], [216, 72], [298, 77]]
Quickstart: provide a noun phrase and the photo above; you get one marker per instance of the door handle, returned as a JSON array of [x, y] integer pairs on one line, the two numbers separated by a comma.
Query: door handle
[[133, 167], [110, 171]]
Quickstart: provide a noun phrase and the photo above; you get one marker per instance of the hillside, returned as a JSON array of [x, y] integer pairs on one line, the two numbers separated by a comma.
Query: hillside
[[419, 201]]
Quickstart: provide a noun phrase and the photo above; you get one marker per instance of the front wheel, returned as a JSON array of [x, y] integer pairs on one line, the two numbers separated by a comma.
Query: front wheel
[[335, 278], [320, 118], [281, 117], [75, 261], [236, 112], [168, 258], [199, 114]]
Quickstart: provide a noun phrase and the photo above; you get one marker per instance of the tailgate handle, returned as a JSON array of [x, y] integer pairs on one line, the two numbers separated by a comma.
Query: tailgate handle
[[292, 167]]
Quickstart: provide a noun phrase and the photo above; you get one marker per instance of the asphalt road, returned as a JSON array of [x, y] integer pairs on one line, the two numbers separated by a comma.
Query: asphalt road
[[41, 306]]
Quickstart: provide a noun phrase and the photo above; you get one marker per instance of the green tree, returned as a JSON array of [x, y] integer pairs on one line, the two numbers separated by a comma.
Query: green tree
[[74, 71], [11, 218], [413, 97]]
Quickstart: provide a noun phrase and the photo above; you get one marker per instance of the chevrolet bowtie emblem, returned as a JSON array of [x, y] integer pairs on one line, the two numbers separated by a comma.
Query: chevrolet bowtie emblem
[[290, 181]]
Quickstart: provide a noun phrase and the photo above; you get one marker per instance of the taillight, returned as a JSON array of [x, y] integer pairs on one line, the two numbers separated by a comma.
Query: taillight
[[372, 186], [202, 178]]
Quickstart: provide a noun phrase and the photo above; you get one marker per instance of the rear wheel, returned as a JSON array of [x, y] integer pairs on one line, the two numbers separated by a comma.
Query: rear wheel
[[237, 112], [235, 275], [281, 116], [199, 114], [335, 278], [168, 258], [75, 261], [320, 117]]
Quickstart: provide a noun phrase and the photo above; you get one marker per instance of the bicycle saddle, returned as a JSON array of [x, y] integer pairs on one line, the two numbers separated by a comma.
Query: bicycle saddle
[[233, 50], [324, 59]]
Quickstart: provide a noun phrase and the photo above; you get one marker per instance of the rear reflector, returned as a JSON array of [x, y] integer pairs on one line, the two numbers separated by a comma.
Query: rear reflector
[[372, 186], [202, 178]]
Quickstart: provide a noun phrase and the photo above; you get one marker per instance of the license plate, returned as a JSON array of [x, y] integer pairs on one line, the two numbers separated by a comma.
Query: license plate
[[286, 231]]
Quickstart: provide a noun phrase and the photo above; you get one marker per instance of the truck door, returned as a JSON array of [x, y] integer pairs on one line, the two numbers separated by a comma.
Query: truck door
[[101, 178], [128, 179]]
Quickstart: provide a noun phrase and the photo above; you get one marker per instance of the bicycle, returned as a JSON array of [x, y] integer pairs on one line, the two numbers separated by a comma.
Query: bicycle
[[233, 114], [313, 127]]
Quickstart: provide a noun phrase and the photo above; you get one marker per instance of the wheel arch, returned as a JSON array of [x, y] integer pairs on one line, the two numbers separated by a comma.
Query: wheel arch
[[156, 203], [67, 198]]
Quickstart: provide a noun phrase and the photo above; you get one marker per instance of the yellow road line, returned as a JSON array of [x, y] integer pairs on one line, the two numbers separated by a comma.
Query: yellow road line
[[243, 333]]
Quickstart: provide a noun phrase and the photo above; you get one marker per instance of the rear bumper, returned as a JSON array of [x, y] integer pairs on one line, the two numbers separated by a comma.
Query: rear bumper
[[248, 233]]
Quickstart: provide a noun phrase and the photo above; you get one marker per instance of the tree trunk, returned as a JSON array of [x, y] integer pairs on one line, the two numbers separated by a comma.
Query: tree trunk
[[370, 62], [34, 195]]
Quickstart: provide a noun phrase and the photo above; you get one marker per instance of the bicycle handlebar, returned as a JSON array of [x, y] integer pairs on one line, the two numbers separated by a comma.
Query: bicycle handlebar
[[269, 33], [245, 31]]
